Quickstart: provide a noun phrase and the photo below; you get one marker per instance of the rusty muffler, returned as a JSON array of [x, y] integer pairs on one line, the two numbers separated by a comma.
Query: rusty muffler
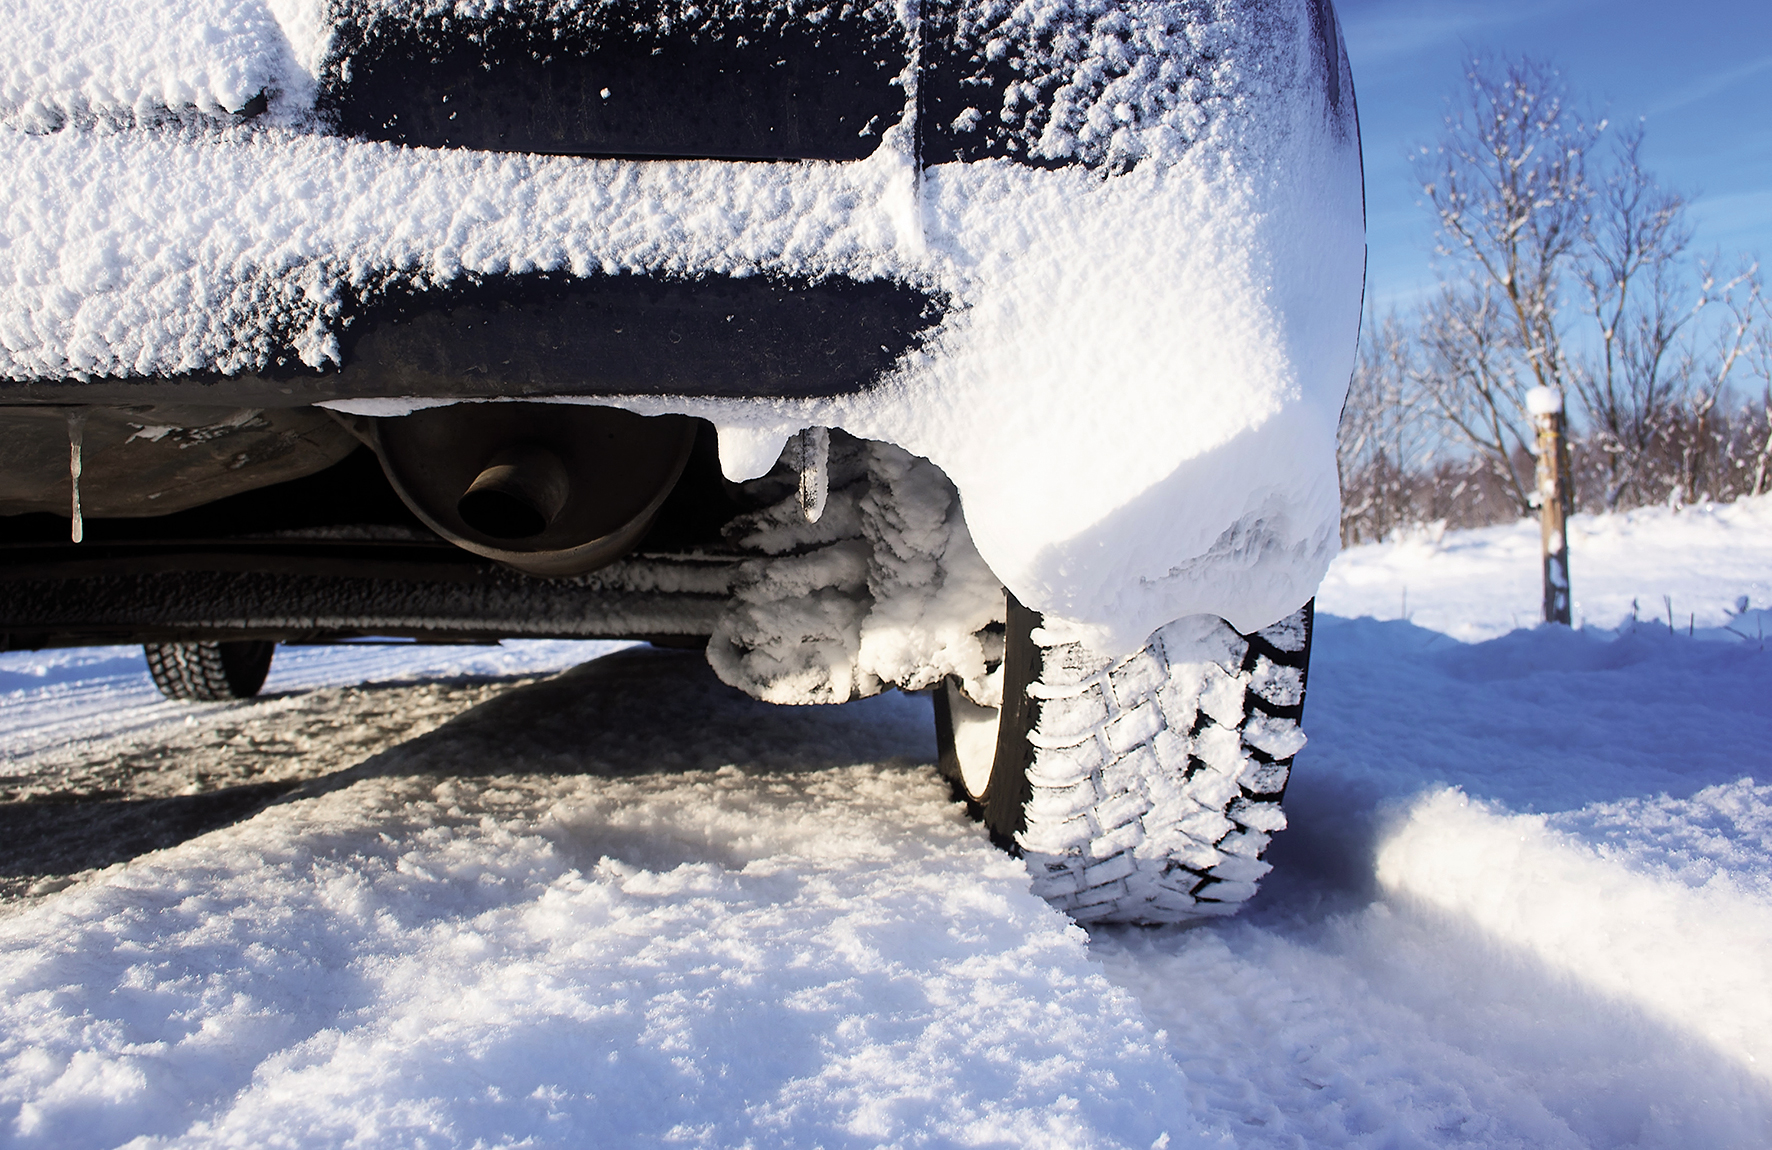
[[550, 489]]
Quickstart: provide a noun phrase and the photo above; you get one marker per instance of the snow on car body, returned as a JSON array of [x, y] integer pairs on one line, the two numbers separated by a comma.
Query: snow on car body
[[1089, 271]]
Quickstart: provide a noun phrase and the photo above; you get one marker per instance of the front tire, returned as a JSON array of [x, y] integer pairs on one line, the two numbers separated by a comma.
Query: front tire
[[1143, 790], [209, 672]]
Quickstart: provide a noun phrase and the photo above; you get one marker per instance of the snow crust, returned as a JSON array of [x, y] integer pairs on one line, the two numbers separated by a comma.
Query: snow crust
[[1135, 391]]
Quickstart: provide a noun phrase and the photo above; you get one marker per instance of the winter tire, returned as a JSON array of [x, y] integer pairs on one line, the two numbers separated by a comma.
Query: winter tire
[[209, 672], [1143, 790]]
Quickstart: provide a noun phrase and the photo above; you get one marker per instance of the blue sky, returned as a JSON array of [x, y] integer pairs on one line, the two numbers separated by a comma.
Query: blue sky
[[1698, 72]]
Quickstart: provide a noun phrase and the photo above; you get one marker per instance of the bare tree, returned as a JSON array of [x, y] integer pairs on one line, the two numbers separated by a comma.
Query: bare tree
[[1508, 181], [1635, 389], [1467, 370], [1759, 308], [1383, 445], [1743, 342], [1567, 268]]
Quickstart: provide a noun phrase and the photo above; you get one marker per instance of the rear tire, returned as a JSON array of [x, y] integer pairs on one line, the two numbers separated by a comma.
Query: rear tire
[[209, 672], [985, 751], [1143, 790]]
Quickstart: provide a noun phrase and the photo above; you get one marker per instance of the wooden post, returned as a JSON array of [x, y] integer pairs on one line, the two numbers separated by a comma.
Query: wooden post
[[1554, 498]]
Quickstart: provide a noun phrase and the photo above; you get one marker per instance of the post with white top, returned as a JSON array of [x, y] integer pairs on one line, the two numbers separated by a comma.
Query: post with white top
[[1546, 406]]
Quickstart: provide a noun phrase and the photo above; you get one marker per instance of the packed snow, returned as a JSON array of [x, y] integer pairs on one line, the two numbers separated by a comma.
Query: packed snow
[[789, 934], [1135, 386], [1525, 900]]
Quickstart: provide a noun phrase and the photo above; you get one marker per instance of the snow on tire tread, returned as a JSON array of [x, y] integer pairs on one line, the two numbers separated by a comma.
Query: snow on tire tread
[[1156, 780]]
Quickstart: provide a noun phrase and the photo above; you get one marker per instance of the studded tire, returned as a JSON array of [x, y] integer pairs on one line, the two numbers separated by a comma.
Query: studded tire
[[209, 672], [1142, 790]]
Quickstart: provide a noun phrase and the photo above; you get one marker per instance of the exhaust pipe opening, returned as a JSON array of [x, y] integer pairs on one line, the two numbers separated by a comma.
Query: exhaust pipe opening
[[517, 495], [550, 489]]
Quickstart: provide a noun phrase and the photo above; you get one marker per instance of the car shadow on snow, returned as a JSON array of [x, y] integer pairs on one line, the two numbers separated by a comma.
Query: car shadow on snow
[[638, 711], [643, 719], [41, 843], [654, 711], [108, 800]]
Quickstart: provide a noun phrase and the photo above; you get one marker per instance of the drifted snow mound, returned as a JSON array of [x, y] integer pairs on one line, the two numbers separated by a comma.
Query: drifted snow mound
[[1689, 943], [629, 906], [1525, 900]]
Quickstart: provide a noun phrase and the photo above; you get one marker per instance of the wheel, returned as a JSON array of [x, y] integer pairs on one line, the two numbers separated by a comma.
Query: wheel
[[209, 672], [1143, 790]]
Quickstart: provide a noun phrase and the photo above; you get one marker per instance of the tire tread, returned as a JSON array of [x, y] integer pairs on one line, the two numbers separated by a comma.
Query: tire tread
[[1180, 817], [208, 672]]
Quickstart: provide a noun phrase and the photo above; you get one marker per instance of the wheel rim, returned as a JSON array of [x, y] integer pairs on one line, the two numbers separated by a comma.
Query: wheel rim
[[975, 739]]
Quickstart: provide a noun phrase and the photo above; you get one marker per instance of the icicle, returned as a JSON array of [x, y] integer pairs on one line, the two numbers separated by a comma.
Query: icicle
[[815, 453], [76, 433]]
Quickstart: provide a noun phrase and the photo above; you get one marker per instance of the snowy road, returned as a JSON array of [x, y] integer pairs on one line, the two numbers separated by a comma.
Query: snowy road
[[1525, 900]]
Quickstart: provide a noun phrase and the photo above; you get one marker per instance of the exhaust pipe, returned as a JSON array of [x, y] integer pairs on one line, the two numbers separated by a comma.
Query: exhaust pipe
[[519, 494], [550, 489]]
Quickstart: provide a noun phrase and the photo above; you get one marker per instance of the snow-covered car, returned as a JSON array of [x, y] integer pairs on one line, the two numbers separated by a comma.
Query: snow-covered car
[[984, 348]]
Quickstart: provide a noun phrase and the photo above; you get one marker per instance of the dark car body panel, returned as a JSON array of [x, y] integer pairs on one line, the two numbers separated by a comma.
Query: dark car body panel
[[639, 80]]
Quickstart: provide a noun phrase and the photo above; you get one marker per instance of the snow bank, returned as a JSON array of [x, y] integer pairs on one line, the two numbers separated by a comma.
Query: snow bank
[[1525, 896], [1135, 389], [1483, 583], [1692, 954], [1522, 901], [763, 925], [1384, 1026]]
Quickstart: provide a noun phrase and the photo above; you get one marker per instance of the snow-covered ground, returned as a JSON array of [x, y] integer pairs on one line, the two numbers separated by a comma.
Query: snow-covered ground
[[62, 699], [1525, 900], [1691, 565]]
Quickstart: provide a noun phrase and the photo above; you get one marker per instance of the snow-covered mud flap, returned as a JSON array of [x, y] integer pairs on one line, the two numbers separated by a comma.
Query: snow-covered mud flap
[[863, 576], [1142, 789], [1139, 790]]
